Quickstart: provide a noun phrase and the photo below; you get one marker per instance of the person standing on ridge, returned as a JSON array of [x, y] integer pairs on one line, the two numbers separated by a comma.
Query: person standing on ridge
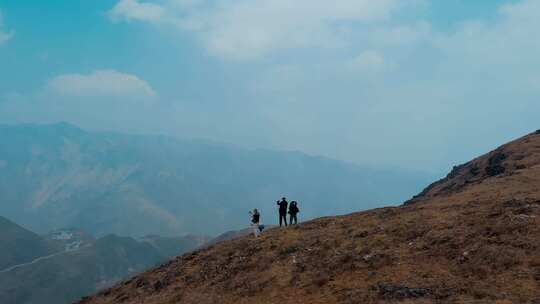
[[255, 222], [282, 211], [293, 211]]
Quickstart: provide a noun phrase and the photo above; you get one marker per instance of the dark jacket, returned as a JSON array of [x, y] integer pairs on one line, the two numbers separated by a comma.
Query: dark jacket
[[255, 218], [293, 209], [283, 206]]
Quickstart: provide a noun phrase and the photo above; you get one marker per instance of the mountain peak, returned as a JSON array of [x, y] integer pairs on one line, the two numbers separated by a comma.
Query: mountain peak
[[506, 160]]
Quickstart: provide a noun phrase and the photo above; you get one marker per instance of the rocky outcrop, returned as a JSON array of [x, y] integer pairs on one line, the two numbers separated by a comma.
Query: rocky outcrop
[[495, 164], [505, 160], [392, 291]]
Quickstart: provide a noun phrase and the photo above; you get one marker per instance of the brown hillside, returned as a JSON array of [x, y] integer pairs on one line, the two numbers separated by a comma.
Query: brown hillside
[[473, 237]]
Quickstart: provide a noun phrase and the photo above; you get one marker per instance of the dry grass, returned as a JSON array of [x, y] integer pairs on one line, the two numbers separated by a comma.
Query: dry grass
[[473, 237]]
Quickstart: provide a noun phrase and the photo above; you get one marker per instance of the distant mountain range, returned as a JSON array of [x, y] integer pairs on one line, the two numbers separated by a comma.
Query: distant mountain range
[[58, 175], [65, 265]]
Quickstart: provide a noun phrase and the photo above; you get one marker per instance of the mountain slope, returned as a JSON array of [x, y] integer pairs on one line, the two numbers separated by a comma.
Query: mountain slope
[[21, 246], [54, 176], [234, 234], [473, 237], [170, 247], [65, 277], [507, 160]]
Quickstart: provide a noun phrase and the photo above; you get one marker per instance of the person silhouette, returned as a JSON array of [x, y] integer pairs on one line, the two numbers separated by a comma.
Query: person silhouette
[[293, 211], [255, 222], [282, 211]]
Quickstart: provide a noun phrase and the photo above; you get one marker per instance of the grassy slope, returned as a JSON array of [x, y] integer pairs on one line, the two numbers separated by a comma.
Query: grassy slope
[[474, 237]]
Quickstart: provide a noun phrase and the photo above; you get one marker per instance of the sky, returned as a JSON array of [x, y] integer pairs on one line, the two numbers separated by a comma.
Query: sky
[[416, 84]]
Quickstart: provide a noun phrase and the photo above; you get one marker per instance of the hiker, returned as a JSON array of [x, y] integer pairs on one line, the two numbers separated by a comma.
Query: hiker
[[255, 222], [282, 211], [293, 211]]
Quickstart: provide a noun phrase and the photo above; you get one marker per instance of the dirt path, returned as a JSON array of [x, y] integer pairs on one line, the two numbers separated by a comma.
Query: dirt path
[[32, 262], [40, 259]]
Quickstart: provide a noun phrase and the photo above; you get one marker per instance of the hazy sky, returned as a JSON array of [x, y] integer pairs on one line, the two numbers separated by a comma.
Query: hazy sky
[[413, 83]]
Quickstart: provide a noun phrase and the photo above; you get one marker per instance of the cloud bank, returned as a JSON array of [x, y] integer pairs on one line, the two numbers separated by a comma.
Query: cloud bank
[[133, 10], [101, 83], [354, 80], [251, 29]]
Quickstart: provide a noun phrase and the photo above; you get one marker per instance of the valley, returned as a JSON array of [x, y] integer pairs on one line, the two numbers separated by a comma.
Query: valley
[[74, 263]]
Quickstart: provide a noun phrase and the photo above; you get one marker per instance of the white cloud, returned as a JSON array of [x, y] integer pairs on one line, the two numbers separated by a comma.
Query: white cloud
[[185, 4], [368, 61], [248, 29], [133, 10], [101, 83], [401, 35], [500, 55], [4, 34], [449, 79], [4, 37], [507, 40]]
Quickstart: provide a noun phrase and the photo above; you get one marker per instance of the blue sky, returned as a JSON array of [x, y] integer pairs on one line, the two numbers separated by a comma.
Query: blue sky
[[413, 83]]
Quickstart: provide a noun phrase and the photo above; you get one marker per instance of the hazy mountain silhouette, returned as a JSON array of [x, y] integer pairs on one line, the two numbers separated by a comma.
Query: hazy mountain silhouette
[[58, 175], [472, 237], [42, 270], [22, 246]]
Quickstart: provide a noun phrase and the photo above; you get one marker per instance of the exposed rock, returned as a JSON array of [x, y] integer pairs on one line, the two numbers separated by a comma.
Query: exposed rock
[[392, 291], [158, 285], [495, 166], [474, 170]]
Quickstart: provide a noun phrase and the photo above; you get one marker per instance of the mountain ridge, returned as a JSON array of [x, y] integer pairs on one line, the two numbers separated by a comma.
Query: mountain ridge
[[21, 245], [472, 237], [54, 176]]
